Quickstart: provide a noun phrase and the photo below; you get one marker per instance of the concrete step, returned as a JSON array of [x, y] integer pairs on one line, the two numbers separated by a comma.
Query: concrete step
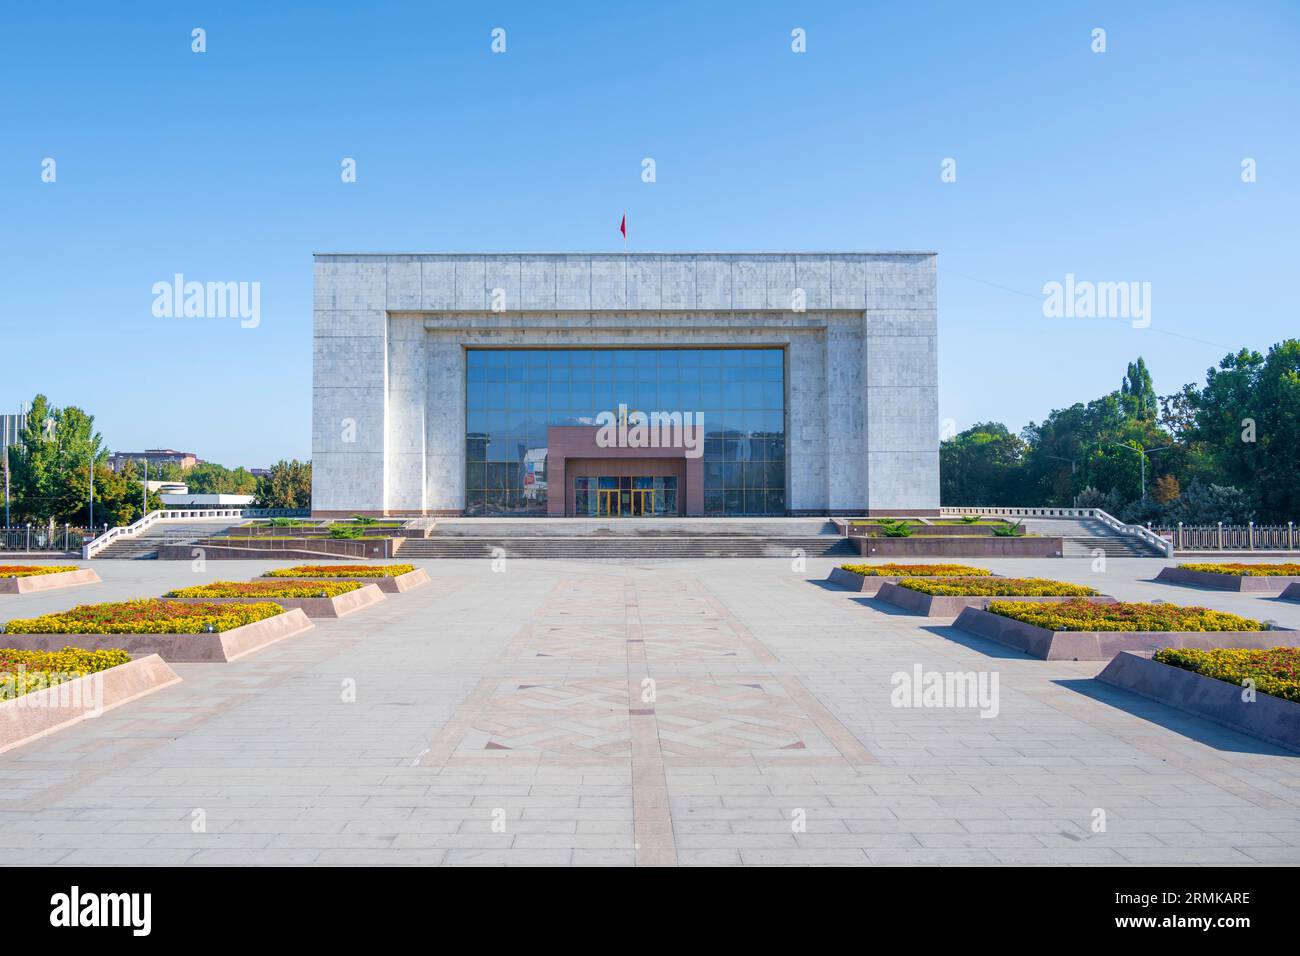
[[144, 546], [535, 546]]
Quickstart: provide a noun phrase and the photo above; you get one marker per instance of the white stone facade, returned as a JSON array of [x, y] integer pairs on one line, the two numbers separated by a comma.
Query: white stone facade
[[859, 330]]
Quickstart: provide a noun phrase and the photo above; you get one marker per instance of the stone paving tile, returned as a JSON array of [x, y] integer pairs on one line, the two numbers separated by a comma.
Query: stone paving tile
[[696, 713]]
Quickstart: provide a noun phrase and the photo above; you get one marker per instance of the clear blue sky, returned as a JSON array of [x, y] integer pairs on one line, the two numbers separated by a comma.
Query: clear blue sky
[[225, 166]]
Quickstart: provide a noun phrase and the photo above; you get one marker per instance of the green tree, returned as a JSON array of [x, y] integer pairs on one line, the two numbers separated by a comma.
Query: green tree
[[981, 466], [55, 445], [288, 485], [1137, 393], [209, 478]]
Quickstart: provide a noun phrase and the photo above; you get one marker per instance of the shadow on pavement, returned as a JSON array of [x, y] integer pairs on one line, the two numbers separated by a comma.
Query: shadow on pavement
[[1180, 722]]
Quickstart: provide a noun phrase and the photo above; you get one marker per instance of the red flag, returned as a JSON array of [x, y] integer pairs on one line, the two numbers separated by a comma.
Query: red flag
[[622, 226]]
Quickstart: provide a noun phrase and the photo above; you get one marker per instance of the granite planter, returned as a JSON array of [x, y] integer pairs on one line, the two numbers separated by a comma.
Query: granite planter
[[944, 605], [959, 547], [1270, 718], [1103, 645], [284, 549], [42, 712], [1246, 583], [219, 647], [340, 606], [1292, 592], [48, 582], [933, 530]]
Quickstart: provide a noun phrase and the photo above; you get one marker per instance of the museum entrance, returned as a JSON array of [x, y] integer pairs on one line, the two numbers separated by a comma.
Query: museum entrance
[[625, 496]]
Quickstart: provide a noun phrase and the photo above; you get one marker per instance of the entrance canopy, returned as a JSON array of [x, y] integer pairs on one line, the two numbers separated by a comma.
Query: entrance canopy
[[654, 477]]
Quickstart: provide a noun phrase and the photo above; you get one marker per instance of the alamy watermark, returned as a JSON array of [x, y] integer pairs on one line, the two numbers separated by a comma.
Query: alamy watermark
[[53, 690], [624, 429], [208, 300], [1083, 299], [946, 689]]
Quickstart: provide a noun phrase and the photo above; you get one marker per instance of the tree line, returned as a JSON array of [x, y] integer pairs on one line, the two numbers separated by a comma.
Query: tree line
[[1227, 450], [50, 466]]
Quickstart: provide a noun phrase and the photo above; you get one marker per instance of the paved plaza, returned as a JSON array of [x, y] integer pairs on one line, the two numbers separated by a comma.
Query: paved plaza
[[683, 712]]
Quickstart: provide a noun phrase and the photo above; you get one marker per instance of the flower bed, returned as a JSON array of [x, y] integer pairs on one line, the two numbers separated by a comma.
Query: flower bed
[[267, 589], [1019, 587], [342, 571], [22, 672], [1261, 579], [916, 570], [1122, 616], [1275, 671], [1289, 569], [32, 570], [147, 616]]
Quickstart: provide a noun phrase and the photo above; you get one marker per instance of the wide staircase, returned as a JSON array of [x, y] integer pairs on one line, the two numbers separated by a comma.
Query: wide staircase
[[636, 538], [1085, 536], [144, 546]]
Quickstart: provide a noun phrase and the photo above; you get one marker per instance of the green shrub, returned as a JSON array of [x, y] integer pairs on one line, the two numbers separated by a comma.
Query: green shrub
[[897, 528]]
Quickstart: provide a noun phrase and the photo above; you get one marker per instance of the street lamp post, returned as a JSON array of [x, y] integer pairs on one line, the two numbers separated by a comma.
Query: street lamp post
[[1143, 455], [144, 489]]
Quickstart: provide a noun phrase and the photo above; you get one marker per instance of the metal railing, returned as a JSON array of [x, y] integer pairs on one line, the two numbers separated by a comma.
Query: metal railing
[[1145, 535], [64, 538], [122, 533], [1224, 537]]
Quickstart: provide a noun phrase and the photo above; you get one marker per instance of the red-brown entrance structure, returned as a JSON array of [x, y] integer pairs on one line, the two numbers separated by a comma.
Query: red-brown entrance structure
[[571, 450]]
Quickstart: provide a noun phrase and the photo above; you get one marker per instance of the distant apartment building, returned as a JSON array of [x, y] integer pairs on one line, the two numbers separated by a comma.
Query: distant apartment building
[[154, 456], [11, 426]]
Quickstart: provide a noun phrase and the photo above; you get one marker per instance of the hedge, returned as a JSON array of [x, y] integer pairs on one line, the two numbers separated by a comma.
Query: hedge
[[342, 571], [915, 570], [145, 616], [22, 672], [1276, 671], [1123, 616], [267, 589], [1019, 587]]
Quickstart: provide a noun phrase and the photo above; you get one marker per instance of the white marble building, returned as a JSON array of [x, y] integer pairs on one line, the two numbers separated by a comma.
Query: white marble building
[[857, 334]]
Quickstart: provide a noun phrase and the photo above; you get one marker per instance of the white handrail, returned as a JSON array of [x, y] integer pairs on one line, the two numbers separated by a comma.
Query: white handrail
[[1162, 544], [122, 532]]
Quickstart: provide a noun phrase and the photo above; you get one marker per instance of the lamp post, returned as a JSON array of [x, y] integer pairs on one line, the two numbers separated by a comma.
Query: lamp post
[[144, 489], [90, 525], [1143, 455]]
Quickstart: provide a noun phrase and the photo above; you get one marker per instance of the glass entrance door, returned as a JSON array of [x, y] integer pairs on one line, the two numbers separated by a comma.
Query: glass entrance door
[[607, 503], [637, 496]]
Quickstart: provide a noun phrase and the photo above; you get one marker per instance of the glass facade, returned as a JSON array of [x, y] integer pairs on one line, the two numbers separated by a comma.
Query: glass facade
[[513, 395]]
